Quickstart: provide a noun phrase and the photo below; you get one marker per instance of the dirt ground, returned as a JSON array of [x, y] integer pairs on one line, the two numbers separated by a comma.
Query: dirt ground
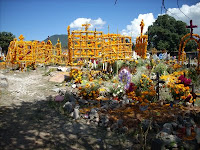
[[27, 121]]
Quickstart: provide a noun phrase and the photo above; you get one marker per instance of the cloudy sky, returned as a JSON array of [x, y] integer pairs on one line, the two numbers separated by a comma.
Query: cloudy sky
[[38, 19]]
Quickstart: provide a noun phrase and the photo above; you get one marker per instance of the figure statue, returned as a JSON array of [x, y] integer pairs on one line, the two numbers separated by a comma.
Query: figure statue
[[142, 26]]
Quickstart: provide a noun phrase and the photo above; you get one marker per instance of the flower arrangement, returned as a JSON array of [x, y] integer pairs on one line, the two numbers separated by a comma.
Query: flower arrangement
[[184, 80], [117, 90], [76, 75], [177, 84], [144, 83], [89, 91], [176, 66], [131, 91], [125, 77]]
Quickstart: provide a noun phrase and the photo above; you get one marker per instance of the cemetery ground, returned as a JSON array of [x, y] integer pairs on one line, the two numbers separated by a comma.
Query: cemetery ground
[[28, 122], [34, 116]]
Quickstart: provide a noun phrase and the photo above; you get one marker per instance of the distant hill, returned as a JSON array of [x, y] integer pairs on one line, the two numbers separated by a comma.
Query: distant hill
[[63, 39]]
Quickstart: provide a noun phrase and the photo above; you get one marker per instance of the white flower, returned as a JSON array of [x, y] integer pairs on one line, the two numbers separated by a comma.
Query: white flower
[[74, 86], [118, 92], [121, 90], [119, 86], [114, 94]]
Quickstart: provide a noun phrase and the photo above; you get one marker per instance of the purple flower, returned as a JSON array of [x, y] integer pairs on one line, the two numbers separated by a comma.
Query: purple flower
[[125, 77]]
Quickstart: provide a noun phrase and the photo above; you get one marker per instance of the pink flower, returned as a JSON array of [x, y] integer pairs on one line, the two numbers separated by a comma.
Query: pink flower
[[181, 78]]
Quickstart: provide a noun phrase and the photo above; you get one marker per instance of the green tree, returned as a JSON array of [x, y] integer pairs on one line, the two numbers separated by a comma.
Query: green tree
[[5, 39], [166, 33], [133, 46]]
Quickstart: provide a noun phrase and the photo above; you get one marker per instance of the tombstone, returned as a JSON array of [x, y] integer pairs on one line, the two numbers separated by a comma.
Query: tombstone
[[164, 56], [155, 57]]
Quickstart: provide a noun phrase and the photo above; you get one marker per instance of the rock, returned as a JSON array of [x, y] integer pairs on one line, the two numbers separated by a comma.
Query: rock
[[52, 74], [104, 121], [93, 114], [198, 135], [76, 113], [180, 119], [157, 144], [3, 81], [114, 127], [56, 90], [59, 78], [156, 127], [3, 84], [2, 77], [105, 106], [120, 122], [167, 127], [114, 104], [82, 101], [59, 98], [188, 131], [124, 129], [93, 102], [62, 91], [167, 138], [67, 78], [69, 106], [190, 145], [174, 125], [69, 97]]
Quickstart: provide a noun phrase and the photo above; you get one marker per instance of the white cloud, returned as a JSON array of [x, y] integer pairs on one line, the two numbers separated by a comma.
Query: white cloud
[[98, 23], [134, 28], [193, 12]]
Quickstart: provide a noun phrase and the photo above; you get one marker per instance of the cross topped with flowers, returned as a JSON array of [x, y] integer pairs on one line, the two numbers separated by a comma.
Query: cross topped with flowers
[[86, 26], [191, 26]]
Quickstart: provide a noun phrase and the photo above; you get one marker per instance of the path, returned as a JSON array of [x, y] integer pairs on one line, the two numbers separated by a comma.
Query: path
[[27, 121]]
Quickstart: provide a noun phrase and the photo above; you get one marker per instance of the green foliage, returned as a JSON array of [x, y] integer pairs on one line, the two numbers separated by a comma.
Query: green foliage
[[166, 33], [133, 46], [160, 68], [191, 46], [5, 39], [193, 75]]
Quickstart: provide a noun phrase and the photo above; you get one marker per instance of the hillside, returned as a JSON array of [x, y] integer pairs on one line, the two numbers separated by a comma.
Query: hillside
[[63, 39]]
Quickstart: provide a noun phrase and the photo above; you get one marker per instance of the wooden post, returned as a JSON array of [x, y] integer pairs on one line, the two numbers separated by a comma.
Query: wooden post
[[157, 88]]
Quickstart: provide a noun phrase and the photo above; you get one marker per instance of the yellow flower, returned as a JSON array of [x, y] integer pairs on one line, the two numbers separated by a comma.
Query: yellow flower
[[87, 85]]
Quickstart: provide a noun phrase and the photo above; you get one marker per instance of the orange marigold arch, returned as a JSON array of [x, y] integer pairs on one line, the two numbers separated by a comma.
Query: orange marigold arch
[[184, 40]]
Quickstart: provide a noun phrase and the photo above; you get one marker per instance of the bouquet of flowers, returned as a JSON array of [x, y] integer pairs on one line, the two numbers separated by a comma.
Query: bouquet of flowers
[[117, 90], [89, 91], [184, 80]]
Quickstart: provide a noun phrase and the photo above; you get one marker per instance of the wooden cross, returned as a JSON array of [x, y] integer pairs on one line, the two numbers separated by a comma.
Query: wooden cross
[[191, 26]]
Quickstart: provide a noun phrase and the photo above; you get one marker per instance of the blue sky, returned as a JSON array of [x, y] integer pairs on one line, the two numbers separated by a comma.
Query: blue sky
[[36, 19]]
